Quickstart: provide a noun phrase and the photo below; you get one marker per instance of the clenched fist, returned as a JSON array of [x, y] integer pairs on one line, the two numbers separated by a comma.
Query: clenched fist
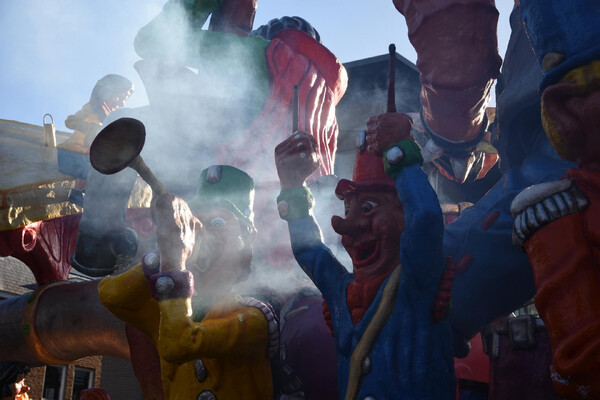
[[296, 159], [177, 232], [384, 130]]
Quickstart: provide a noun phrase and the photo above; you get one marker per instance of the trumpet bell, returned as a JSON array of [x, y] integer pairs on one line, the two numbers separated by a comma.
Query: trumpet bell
[[117, 145]]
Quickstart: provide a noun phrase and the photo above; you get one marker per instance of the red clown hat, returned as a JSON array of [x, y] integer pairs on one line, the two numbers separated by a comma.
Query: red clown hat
[[368, 175]]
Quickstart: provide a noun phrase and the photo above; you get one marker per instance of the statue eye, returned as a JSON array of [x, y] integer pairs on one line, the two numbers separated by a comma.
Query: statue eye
[[217, 222], [368, 206]]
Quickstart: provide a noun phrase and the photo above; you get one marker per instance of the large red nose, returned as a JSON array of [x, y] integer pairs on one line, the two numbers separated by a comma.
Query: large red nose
[[344, 226]]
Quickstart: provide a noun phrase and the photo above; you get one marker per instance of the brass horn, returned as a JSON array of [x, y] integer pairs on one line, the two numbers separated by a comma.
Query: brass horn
[[118, 146]]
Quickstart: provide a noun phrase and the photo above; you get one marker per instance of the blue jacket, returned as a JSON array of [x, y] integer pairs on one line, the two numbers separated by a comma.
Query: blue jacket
[[412, 357]]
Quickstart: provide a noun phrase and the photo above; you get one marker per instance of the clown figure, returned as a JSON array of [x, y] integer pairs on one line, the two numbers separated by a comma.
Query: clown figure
[[388, 345], [212, 343], [556, 223]]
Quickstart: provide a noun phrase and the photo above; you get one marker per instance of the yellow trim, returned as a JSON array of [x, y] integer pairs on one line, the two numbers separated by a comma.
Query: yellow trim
[[32, 339], [554, 136], [365, 344], [585, 79]]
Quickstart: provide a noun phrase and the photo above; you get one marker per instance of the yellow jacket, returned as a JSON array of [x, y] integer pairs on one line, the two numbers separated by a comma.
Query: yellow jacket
[[230, 342]]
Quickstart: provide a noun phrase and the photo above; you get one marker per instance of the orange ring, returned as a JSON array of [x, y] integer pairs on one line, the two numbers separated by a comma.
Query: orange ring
[[32, 339]]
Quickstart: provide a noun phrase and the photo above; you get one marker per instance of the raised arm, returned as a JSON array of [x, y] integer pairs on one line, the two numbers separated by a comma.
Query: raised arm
[[296, 159], [421, 243], [128, 297], [388, 135], [458, 62]]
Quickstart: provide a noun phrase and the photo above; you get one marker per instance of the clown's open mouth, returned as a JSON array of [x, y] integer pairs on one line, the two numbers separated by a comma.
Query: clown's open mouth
[[365, 253]]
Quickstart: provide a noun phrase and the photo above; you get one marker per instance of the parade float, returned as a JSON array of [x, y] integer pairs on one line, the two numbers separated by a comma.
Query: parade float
[[189, 119]]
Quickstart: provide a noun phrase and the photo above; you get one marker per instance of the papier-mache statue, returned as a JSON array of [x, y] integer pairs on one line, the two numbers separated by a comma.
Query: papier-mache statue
[[212, 343], [388, 342], [556, 223]]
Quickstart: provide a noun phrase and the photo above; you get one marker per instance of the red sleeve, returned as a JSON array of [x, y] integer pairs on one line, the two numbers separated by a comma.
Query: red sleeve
[[295, 58], [567, 275]]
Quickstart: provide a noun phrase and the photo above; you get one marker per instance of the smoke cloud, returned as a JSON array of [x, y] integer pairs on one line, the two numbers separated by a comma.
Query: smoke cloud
[[206, 91]]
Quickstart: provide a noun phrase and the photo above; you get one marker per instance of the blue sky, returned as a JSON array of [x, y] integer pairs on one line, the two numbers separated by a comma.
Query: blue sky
[[52, 53]]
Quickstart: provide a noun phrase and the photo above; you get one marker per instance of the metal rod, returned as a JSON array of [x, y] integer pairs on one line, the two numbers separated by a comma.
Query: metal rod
[[391, 99], [295, 110], [141, 168]]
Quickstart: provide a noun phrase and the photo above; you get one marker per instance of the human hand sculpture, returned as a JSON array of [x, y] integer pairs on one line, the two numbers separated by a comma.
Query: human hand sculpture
[[296, 159], [178, 231], [385, 130]]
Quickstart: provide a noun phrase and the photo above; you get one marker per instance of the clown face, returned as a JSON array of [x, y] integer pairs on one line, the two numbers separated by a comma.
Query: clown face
[[223, 251], [371, 232]]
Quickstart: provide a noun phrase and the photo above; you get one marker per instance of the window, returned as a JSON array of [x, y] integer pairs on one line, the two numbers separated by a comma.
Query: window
[[83, 379], [54, 382]]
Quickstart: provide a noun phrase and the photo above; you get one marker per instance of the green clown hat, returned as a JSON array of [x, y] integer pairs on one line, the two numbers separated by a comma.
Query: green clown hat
[[224, 186]]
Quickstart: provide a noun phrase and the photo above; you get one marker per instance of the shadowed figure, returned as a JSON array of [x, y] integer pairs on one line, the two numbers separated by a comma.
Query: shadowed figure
[[388, 342]]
